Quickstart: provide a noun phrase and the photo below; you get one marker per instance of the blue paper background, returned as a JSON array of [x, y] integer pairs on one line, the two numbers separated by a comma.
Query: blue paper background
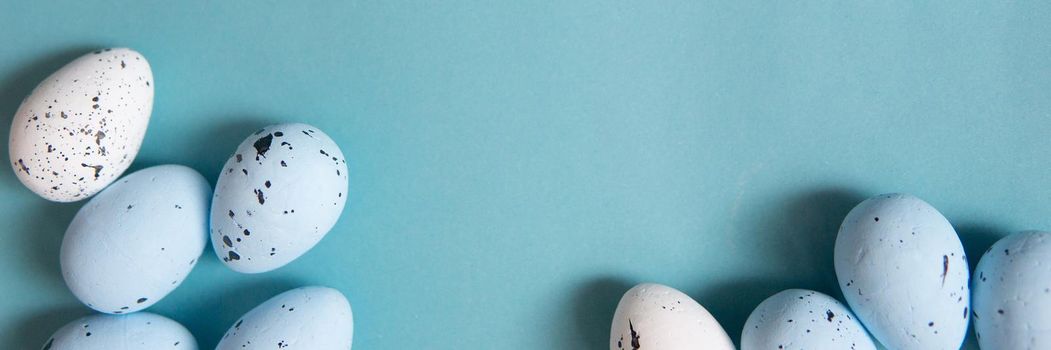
[[517, 165]]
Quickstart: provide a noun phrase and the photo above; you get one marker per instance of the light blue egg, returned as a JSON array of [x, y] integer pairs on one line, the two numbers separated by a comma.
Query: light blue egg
[[1012, 293], [280, 192], [803, 319], [312, 317], [903, 272], [140, 331], [136, 241]]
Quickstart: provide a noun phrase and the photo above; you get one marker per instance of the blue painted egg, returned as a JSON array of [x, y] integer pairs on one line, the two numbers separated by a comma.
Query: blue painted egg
[[277, 196], [1012, 293], [136, 241], [803, 319], [903, 272]]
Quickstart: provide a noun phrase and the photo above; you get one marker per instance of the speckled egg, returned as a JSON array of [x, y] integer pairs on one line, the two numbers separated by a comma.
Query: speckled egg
[[803, 319], [136, 241], [303, 318], [83, 125], [1012, 293], [903, 272], [140, 331], [654, 316], [277, 196]]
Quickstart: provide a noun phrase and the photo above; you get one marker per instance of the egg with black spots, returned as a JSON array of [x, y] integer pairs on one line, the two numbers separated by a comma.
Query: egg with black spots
[[277, 196], [137, 240], [803, 319], [1011, 288], [82, 126], [654, 316], [903, 271], [140, 331], [304, 318]]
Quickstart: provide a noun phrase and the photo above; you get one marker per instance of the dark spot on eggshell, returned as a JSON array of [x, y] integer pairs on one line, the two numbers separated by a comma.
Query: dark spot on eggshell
[[259, 196], [98, 168], [262, 145], [829, 315], [635, 345], [227, 242], [233, 256], [141, 300], [22, 165], [945, 268]]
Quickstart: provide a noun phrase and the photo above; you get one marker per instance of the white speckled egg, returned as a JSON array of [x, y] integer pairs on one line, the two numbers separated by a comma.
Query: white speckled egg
[[303, 318], [654, 316], [803, 319], [136, 241], [1012, 293], [903, 272], [140, 331], [277, 196], [83, 125]]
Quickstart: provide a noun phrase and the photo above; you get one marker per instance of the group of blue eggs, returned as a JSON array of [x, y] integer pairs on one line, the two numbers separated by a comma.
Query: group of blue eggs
[[139, 235], [899, 262], [906, 281]]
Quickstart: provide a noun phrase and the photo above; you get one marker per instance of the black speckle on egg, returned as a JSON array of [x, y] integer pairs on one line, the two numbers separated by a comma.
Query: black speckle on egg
[[259, 196], [262, 145]]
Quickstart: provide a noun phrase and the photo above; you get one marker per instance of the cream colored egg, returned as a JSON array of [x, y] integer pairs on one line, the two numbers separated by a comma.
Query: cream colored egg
[[81, 127], [654, 316]]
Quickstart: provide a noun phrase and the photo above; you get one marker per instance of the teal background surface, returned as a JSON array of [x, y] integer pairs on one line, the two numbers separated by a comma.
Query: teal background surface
[[517, 165]]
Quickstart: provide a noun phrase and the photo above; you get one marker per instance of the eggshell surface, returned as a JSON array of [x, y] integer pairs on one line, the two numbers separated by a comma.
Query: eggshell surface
[[803, 319], [140, 331], [136, 241], [1012, 293], [903, 272], [277, 196], [654, 316], [82, 126], [303, 318]]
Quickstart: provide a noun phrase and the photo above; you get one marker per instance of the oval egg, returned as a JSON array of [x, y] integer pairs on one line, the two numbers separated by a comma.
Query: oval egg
[[81, 127], [1012, 293], [136, 241], [803, 319], [302, 318], [654, 316], [277, 196], [903, 272], [140, 331]]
